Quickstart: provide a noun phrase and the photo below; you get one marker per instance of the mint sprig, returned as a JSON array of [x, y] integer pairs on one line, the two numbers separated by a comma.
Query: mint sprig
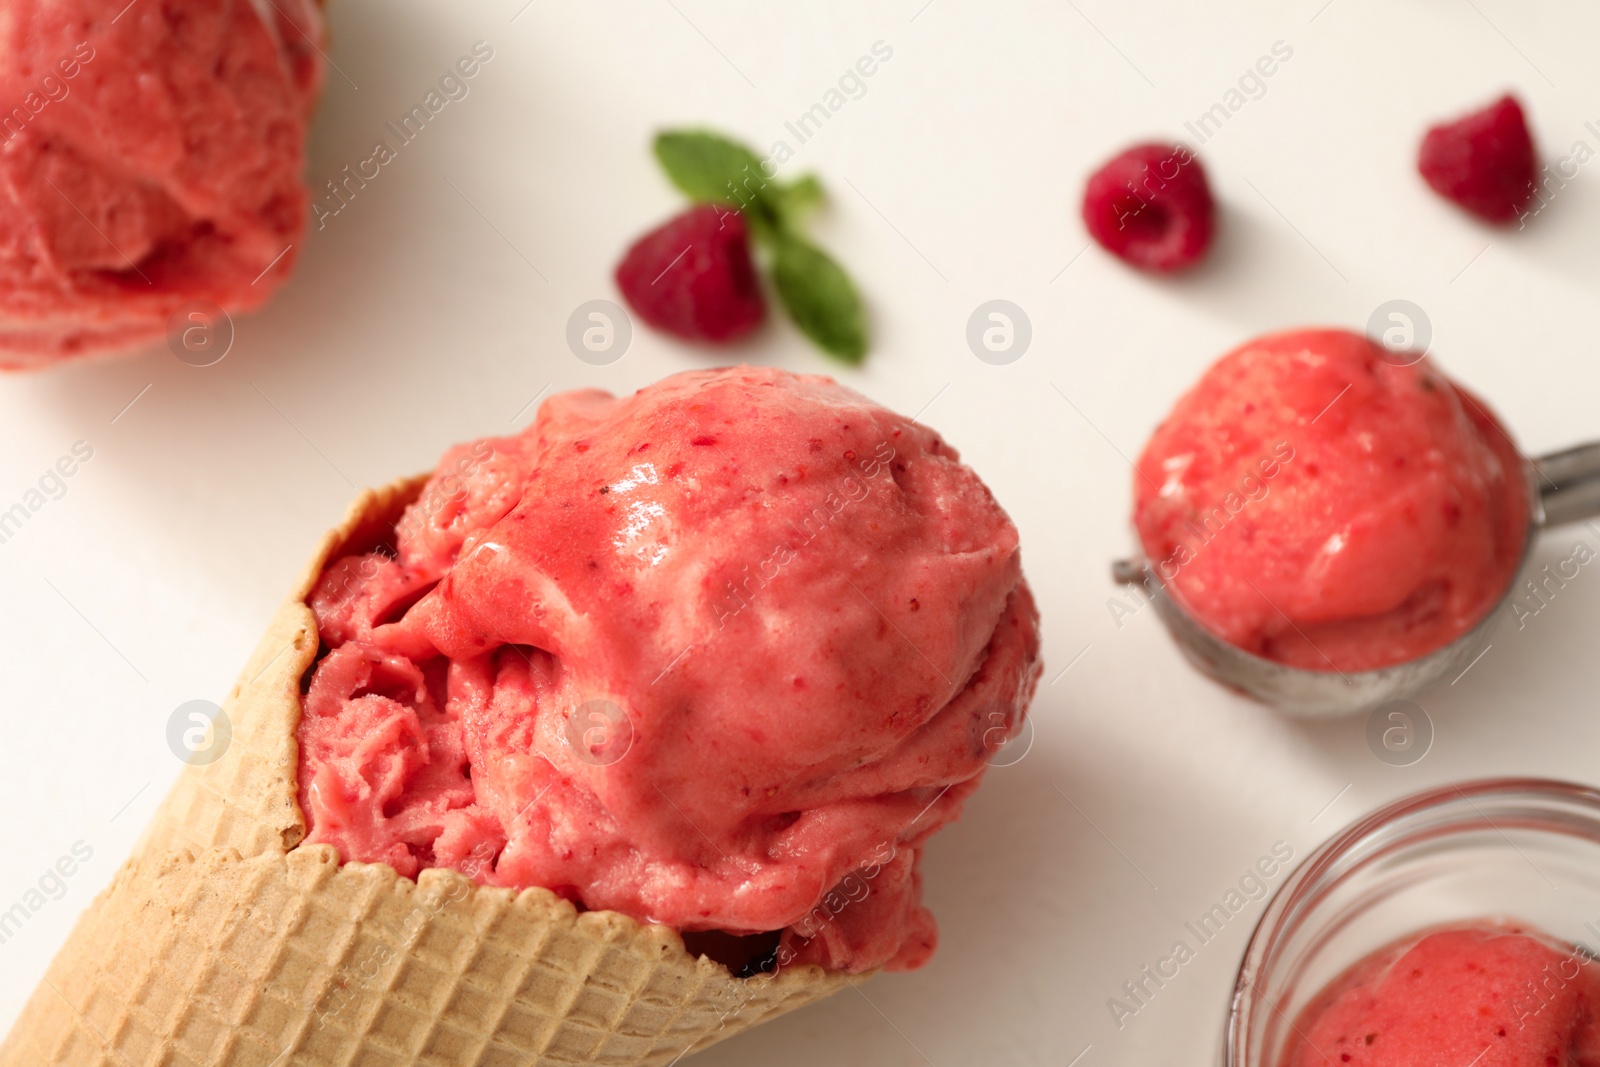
[[815, 291], [820, 297]]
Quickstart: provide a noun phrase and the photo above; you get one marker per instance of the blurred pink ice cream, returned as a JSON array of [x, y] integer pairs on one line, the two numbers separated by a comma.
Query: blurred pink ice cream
[[150, 157]]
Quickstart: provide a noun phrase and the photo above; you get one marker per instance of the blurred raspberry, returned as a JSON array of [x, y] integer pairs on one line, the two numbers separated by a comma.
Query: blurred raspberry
[[693, 278], [1484, 162], [1151, 207]]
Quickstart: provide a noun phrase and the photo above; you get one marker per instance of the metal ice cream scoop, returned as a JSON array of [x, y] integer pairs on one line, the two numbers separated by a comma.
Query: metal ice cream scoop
[[1565, 487]]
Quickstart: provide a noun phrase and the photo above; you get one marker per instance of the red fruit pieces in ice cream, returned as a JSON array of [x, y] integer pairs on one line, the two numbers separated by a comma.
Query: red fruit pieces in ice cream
[[1151, 206], [1484, 162], [1313, 501], [1487, 995], [719, 655], [692, 277], [149, 157]]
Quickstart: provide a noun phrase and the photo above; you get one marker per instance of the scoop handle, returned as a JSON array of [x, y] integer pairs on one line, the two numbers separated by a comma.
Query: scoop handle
[[1569, 484]]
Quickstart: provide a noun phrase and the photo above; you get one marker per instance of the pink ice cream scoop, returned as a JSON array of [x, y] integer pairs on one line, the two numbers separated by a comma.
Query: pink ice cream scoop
[[1484, 994], [1322, 503], [719, 655], [150, 158]]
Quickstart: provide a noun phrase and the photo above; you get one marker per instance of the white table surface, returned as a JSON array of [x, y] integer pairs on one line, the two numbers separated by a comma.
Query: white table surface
[[418, 317]]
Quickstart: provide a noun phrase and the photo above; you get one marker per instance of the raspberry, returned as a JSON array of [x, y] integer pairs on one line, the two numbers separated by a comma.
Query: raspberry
[[1151, 207], [1484, 161], [692, 277]]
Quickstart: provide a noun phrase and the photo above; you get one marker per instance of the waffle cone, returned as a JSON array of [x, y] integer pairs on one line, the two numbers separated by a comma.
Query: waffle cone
[[225, 941]]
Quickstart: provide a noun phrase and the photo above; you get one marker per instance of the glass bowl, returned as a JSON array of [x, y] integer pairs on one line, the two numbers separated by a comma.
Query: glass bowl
[[1523, 850]]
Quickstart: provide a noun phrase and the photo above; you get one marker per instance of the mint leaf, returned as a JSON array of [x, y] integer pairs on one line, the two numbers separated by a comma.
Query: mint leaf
[[820, 298], [710, 168], [792, 202]]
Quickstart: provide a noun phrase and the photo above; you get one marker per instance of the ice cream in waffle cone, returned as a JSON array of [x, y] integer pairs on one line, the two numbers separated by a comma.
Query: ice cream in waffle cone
[[290, 904]]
